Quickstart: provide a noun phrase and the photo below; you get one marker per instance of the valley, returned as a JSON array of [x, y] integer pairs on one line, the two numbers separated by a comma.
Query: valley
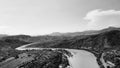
[[102, 47]]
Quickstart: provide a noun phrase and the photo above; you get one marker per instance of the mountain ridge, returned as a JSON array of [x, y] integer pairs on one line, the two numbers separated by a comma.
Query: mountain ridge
[[88, 32]]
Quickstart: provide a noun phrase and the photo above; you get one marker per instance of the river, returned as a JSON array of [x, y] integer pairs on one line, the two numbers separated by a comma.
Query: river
[[83, 59], [80, 58]]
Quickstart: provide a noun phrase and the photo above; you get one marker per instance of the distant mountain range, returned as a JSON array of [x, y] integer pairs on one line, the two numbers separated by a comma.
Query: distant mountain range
[[98, 40], [55, 36], [89, 32]]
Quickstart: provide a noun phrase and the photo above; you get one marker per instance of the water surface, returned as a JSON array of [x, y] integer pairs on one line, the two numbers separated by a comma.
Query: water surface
[[83, 59]]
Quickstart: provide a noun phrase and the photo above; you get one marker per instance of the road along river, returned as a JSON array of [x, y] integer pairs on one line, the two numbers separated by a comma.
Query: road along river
[[80, 58]]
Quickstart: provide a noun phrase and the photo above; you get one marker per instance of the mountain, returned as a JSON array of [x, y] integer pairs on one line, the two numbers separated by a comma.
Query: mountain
[[93, 38], [74, 33], [31, 39], [108, 39], [89, 32], [56, 35], [18, 37], [104, 39]]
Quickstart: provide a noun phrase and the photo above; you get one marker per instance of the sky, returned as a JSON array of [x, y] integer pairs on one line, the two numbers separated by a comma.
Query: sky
[[39, 17]]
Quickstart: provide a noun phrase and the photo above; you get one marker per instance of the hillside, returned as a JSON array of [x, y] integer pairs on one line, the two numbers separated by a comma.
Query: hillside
[[35, 59], [105, 40], [107, 43], [31, 39]]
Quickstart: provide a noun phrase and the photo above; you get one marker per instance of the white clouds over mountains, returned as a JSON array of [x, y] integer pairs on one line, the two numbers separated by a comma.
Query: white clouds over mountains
[[98, 19]]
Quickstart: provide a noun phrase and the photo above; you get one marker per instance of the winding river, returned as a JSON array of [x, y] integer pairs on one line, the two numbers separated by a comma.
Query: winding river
[[80, 58], [83, 59]]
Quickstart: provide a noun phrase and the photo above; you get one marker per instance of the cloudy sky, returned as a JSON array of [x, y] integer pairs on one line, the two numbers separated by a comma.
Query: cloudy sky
[[38, 17]]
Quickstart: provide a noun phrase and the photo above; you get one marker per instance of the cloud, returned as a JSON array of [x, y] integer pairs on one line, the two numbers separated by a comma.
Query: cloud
[[98, 19]]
